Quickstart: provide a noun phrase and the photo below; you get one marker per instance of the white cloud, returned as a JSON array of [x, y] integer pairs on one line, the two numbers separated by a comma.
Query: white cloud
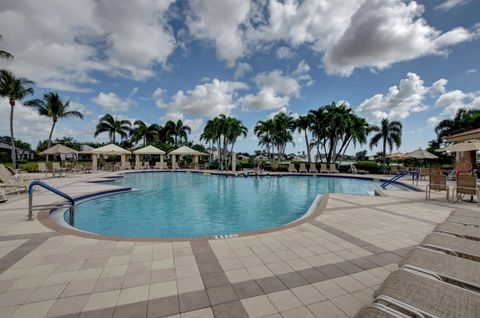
[[400, 101], [385, 32], [265, 99], [471, 71], [276, 88], [241, 70], [113, 102], [454, 100], [449, 4], [195, 124], [209, 99], [58, 45], [284, 53], [219, 22]]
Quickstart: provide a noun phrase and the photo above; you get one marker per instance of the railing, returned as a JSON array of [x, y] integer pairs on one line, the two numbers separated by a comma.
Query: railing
[[397, 177], [51, 189]]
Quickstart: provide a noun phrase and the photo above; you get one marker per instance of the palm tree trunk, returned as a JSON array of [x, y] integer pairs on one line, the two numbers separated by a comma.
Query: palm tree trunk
[[384, 154], [50, 138], [12, 141], [308, 148]]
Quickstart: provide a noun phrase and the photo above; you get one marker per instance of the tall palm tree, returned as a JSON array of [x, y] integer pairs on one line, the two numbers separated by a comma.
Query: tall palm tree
[[113, 126], [303, 124], [264, 131], [144, 132], [14, 89], [234, 129], [53, 107], [5, 54], [178, 130], [390, 132]]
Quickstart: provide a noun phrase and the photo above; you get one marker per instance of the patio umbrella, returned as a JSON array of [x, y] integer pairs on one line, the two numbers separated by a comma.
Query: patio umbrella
[[110, 149], [397, 155], [421, 154], [59, 150], [470, 145], [149, 150]]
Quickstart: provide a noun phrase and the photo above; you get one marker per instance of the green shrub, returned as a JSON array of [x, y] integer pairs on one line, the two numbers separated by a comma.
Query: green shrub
[[344, 168], [370, 166], [29, 166], [22, 161]]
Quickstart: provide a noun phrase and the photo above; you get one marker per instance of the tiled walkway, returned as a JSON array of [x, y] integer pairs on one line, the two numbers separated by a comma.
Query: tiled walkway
[[328, 267]]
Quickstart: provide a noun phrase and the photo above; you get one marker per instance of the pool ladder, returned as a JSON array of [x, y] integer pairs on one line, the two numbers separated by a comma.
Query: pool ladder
[[31, 208]]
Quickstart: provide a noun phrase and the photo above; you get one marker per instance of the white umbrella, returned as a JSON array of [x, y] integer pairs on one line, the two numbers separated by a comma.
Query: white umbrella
[[58, 150], [149, 150], [421, 154], [185, 151], [110, 149], [470, 145]]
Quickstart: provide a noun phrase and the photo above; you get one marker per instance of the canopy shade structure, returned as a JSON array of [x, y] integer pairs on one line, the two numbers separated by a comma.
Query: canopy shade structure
[[470, 145], [58, 150], [149, 150], [110, 149], [397, 155], [185, 151], [421, 154]]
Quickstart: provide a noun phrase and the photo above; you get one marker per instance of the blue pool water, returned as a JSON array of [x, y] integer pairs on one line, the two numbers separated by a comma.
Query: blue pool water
[[189, 204]]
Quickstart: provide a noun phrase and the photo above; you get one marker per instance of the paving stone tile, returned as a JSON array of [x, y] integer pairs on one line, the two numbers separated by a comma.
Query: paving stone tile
[[259, 306], [162, 275], [102, 300], [247, 289], [363, 263], [209, 267], [79, 288], [190, 284], [16, 297], [330, 289], [308, 294], [108, 283], [312, 275], [326, 309], [134, 310], [38, 309], [193, 301], [163, 289], [284, 300], [331, 271], [43, 293], [66, 306], [162, 307], [348, 304], [292, 280], [201, 313], [221, 294], [233, 309], [133, 295], [99, 313], [271, 284], [348, 267], [137, 279], [215, 279], [298, 313]]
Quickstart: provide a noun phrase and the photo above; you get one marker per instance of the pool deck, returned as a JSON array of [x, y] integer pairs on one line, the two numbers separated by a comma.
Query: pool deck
[[328, 266]]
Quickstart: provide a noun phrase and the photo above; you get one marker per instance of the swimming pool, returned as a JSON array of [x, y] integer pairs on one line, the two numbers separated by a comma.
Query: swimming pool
[[191, 204]]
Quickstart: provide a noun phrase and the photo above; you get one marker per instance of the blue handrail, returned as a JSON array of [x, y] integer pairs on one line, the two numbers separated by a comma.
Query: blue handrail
[[398, 176], [49, 188]]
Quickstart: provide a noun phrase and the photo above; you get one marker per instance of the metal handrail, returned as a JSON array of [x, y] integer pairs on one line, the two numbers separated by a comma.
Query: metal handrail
[[51, 189], [397, 177]]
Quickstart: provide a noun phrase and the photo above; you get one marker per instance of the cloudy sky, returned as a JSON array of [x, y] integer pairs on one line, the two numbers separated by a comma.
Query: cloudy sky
[[155, 60]]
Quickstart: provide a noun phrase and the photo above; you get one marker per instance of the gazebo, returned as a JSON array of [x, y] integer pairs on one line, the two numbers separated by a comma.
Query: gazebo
[[59, 150], [109, 150], [148, 150], [186, 151], [421, 154]]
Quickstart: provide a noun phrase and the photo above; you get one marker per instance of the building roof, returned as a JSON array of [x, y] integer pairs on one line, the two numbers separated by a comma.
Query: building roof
[[469, 134]]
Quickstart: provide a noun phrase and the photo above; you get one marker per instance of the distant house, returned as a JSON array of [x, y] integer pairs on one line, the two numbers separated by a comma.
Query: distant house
[[242, 157], [21, 154], [261, 157], [85, 156]]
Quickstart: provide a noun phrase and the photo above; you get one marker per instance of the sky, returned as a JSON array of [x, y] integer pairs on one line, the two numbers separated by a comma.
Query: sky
[[156, 60]]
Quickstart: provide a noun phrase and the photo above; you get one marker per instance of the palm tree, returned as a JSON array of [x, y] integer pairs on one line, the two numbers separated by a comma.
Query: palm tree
[[464, 120], [113, 126], [53, 107], [5, 54], [14, 89], [234, 129], [145, 133], [390, 132], [303, 124], [264, 131], [178, 130]]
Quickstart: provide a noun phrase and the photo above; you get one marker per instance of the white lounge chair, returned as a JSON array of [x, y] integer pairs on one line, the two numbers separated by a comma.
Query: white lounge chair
[[291, 168], [313, 168], [333, 168], [323, 168], [302, 168], [354, 170], [9, 183]]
